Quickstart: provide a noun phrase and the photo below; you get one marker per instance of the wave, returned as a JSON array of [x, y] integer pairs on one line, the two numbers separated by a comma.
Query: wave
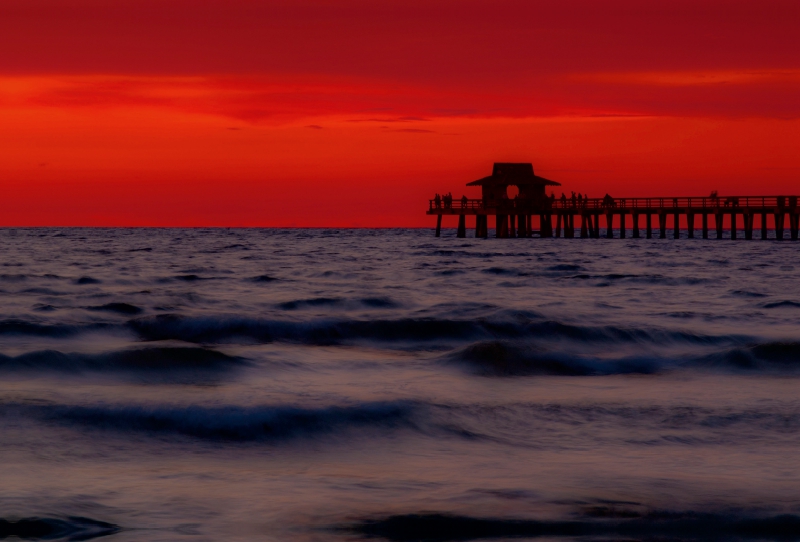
[[263, 278], [157, 359], [229, 423], [119, 308], [503, 358], [655, 525], [15, 326], [782, 304], [71, 528], [643, 279], [503, 325], [371, 302], [421, 329], [525, 425], [769, 356], [327, 331], [496, 358]]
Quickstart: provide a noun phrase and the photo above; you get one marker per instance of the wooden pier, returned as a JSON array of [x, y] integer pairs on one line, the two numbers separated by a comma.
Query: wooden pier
[[532, 213]]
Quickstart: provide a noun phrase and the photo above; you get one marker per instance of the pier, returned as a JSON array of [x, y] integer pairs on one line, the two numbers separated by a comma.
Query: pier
[[531, 213]]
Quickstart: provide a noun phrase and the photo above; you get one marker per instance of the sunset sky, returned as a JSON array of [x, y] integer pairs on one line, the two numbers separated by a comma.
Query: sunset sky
[[354, 112]]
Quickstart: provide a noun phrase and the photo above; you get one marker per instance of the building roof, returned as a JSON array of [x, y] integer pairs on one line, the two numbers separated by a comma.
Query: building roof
[[506, 173]]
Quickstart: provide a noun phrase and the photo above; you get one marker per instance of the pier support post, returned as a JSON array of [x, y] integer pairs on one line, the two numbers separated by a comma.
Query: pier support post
[[718, 224], [596, 224], [584, 226], [676, 226], [609, 225], [462, 226], [569, 226], [522, 226], [649, 225], [529, 226], [733, 225], [779, 225], [635, 225], [622, 232], [501, 226], [438, 225], [512, 229], [794, 222], [748, 225], [478, 230], [690, 225], [558, 224], [763, 225], [662, 223], [705, 225], [547, 225]]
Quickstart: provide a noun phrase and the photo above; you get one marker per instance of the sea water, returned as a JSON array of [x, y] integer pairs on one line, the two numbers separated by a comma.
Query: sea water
[[247, 384]]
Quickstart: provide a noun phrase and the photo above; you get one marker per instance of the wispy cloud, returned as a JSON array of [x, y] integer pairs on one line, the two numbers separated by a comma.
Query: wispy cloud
[[309, 101]]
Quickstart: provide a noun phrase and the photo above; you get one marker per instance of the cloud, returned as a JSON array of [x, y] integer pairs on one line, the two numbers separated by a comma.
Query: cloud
[[313, 101], [414, 131]]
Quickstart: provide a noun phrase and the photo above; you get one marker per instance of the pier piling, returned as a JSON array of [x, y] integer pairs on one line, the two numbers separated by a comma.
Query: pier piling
[[462, 226]]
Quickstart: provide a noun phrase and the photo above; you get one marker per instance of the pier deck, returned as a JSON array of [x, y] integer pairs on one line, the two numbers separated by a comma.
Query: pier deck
[[557, 217]]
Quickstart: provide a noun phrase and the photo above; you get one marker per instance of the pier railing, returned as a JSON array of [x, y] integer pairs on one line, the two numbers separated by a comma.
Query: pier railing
[[722, 203]]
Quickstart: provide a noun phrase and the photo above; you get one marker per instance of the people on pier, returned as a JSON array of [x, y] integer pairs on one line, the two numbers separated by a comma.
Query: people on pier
[[437, 201], [563, 199], [608, 201], [580, 200], [448, 200], [464, 201]]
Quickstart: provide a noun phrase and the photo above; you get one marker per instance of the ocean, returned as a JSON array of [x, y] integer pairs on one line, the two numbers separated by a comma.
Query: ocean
[[386, 385]]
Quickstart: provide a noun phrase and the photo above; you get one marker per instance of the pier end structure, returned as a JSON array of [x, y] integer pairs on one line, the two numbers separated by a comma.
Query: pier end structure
[[514, 217]]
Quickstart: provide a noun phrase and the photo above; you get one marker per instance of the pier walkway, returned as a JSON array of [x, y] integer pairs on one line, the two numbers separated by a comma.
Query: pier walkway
[[557, 217]]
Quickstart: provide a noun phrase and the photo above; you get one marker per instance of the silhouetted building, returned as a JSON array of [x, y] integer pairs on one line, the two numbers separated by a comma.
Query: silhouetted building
[[504, 174]]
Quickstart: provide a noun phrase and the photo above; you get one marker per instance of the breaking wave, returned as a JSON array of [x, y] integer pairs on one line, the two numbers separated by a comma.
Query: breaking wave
[[71, 528], [331, 331], [227, 423], [158, 359], [496, 358], [525, 425], [434, 527]]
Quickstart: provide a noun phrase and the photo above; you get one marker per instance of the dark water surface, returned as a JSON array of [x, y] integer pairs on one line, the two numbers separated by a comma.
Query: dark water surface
[[384, 384]]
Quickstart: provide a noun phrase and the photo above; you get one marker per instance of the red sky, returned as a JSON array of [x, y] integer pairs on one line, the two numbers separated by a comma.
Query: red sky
[[353, 112]]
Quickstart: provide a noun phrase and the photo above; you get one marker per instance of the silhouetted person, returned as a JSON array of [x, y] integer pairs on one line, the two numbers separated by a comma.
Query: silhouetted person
[[563, 199], [437, 201], [464, 201]]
